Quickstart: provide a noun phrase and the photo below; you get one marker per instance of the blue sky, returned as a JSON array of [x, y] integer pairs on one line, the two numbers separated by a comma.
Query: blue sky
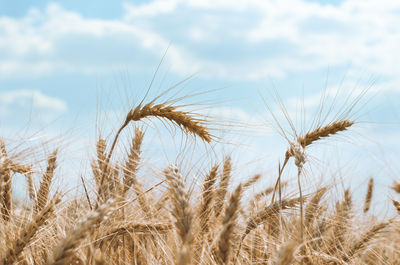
[[58, 60]]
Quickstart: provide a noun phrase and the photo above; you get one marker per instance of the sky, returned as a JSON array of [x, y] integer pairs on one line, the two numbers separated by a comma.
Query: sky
[[69, 70]]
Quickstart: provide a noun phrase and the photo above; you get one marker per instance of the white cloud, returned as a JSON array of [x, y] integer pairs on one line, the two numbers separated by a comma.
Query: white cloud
[[30, 103], [235, 40], [152, 9], [320, 34]]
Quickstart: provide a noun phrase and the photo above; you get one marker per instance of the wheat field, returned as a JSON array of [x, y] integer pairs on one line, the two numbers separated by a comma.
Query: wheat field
[[121, 222]]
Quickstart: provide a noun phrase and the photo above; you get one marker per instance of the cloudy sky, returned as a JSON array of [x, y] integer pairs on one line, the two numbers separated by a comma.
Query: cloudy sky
[[72, 68]]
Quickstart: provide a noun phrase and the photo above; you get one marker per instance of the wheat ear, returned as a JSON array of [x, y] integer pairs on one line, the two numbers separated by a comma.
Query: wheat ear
[[185, 120], [396, 187], [311, 137], [27, 233], [322, 132], [131, 166], [251, 181], [396, 205], [207, 199], [311, 209], [5, 188], [31, 186], [364, 240], [263, 215], [368, 197], [5, 183], [130, 172], [182, 213], [341, 217], [223, 186], [286, 253], [267, 212], [98, 164], [44, 189], [228, 225], [66, 248]]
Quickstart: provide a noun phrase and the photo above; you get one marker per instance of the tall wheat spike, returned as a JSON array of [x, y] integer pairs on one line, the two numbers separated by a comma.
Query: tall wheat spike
[[131, 166], [223, 253], [182, 213], [368, 197], [47, 178], [130, 172], [5, 183], [207, 199], [98, 164], [31, 186], [223, 186], [341, 217], [312, 206]]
